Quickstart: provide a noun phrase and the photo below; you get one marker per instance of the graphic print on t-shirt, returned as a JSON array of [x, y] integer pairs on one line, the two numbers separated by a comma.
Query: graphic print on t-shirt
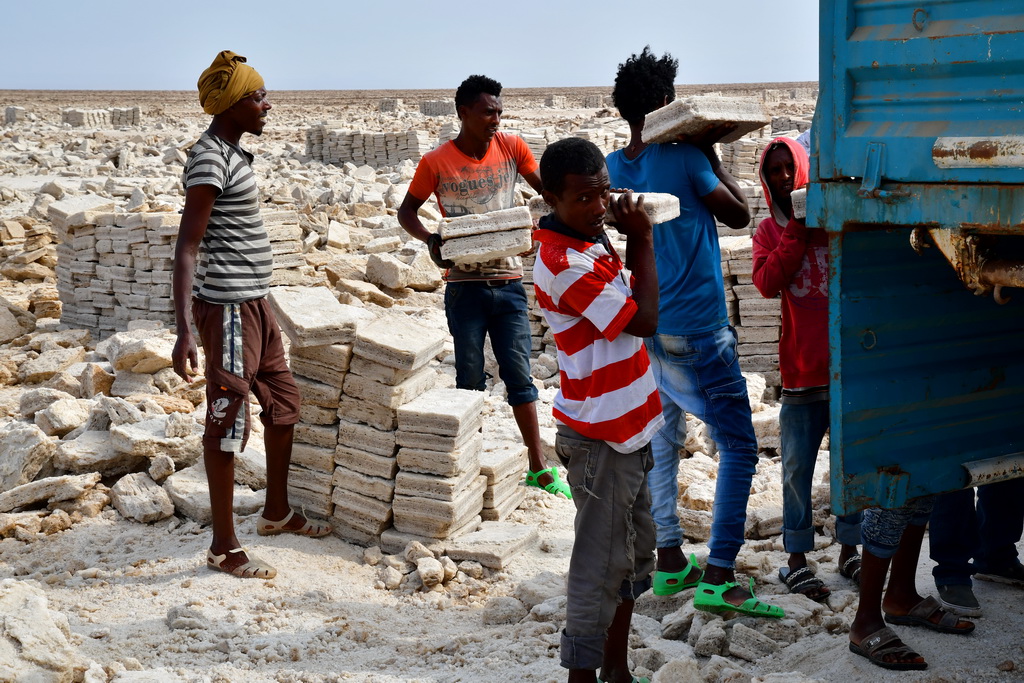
[[475, 189]]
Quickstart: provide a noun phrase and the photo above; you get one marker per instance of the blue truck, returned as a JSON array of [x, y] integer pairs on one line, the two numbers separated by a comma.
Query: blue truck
[[917, 175]]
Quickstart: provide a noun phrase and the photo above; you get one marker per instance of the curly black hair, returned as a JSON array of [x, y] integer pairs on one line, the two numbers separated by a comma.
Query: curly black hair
[[473, 87], [642, 84], [570, 155]]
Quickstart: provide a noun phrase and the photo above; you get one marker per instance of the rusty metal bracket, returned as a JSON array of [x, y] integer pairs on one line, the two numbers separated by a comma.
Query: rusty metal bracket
[[870, 187]]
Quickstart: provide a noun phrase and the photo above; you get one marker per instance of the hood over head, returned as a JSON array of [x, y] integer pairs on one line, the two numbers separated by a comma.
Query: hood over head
[[801, 164]]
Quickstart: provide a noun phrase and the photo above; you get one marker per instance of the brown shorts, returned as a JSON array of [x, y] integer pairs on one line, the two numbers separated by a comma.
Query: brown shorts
[[242, 343]]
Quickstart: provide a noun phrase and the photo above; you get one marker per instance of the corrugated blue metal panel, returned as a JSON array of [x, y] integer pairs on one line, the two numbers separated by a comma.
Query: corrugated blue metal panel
[[926, 376], [908, 74]]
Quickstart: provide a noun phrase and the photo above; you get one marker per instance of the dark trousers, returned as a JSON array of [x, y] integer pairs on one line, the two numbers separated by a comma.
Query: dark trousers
[[988, 532]]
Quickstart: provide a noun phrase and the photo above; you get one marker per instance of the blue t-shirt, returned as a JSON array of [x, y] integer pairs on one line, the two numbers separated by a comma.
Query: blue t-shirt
[[692, 296]]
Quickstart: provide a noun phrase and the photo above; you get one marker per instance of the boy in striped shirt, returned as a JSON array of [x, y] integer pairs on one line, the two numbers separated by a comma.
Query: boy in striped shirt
[[607, 407]]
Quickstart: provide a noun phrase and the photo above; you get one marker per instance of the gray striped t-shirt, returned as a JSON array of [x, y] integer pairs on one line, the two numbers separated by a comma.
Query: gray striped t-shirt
[[235, 257]]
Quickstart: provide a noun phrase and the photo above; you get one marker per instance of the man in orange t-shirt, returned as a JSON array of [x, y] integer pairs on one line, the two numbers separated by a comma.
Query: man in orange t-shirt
[[476, 173]]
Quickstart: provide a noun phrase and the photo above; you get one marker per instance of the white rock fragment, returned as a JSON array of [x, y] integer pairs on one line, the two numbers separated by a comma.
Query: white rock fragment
[[34, 642], [139, 498]]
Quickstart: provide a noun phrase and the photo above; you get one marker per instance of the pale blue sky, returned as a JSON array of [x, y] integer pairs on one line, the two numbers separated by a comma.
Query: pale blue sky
[[399, 44]]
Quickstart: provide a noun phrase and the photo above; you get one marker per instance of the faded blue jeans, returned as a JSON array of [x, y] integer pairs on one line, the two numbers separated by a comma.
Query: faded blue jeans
[[700, 374], [803, 426], [498, 308]]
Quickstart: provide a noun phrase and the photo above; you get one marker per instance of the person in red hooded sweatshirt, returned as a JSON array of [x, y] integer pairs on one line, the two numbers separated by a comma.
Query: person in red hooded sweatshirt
[[792, 261]]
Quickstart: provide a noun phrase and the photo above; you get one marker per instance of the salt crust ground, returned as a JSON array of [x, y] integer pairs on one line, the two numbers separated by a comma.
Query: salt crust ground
[[321, 619]]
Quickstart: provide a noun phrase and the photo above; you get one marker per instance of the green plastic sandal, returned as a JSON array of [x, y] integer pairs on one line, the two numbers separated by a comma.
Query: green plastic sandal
[[708, 598], [556, 487], [670, 583]]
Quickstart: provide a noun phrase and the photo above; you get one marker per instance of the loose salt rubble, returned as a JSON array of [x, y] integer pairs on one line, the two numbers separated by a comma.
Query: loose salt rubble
[[697, 114]]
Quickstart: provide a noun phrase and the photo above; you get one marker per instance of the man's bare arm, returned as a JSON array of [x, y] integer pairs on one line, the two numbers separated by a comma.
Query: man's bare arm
[[198, 206]]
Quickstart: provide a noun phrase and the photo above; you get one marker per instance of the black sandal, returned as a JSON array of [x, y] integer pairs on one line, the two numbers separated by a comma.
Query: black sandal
[[804, 582], [849, 571]]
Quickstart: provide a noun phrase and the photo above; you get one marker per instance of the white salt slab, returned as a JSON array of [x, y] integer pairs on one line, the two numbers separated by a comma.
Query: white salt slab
[[697, 114]]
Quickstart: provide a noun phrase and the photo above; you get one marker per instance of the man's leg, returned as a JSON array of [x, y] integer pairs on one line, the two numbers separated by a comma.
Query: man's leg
[[671, 359], [509, 328], [802, 427], [953, 541], [467, 307], [220, 476], [1000, 524], [725, 408]]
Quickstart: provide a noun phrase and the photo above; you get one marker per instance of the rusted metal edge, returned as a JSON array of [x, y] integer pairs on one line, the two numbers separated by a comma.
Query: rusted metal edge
[[991, 470], [1006, 151]]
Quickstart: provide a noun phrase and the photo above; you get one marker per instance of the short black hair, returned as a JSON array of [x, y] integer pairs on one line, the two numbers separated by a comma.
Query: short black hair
[[473, 87], [571, 155], [643, 83]]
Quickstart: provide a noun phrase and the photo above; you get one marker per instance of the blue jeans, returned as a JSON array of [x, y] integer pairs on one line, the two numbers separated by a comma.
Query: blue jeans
[[475, 309], [803, 425], [957, 531], [881, 529], [700, 374]]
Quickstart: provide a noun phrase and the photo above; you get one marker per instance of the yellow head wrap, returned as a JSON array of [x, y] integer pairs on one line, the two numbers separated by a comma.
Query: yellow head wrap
[[226, 81]]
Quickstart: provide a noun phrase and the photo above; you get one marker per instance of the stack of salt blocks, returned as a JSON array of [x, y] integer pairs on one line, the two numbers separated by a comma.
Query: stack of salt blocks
[[93, 118], [504, 464], [114, 267], [321, 331], [437, 107], [389, 368], [439, 489]]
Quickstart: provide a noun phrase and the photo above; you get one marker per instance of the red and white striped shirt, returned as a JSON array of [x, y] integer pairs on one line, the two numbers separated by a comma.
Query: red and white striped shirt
[[607, 388]]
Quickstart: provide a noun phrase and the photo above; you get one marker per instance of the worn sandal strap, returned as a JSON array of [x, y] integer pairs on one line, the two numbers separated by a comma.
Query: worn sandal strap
[[878, 640], [812, 581]]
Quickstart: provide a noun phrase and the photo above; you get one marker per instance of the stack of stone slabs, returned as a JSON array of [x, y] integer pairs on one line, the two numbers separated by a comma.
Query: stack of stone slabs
[[389, 368], [504, 464], [439, 490], [475, 238], [321, 331]]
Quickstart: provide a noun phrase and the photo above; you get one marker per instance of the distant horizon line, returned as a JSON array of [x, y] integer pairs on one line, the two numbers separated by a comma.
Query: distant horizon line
[[766, 84]]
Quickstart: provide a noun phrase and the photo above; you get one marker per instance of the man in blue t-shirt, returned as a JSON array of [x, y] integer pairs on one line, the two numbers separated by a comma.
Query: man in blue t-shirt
[[693, 353]]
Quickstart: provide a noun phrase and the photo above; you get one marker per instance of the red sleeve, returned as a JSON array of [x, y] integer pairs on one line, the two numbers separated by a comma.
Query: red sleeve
[[525, 163], [424, 181], [777, 255]]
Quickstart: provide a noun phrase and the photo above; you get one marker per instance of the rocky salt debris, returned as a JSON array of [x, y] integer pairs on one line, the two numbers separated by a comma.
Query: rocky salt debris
[[35, 643]]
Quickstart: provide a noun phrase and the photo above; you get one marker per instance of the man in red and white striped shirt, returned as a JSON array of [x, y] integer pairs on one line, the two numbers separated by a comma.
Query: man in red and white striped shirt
[[607, 406]]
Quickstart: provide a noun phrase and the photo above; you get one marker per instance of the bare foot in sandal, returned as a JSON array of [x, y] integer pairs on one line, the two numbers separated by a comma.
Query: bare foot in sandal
[[885, 649], [292, 523], [238, 562]]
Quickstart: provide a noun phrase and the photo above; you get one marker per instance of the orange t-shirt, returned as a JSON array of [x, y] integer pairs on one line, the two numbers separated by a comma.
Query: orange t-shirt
[[465, 185]]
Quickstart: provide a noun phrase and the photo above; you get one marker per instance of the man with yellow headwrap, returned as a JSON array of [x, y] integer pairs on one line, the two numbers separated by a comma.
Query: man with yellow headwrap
[[226, 293]]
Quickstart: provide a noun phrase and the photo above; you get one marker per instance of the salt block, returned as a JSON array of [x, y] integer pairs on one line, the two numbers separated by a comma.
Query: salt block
[[398, 341], [370, 514], [313, 457], [347, 529], [442, 411], [374, 487], [442, 463], [313, 316], [493, 545], [314, 481], [659, 206], [370, 464], [50, 489], [500, 490], [390, 396], [318, 393], [377, 372], [317, 503], [436, 518], [138, 498], [319, 372], [148, 438], [316, 415], [500, 459], [335, 355], [373, 414], [75, 211], [515, 218], [699, 113], [487, 247], [799, 200], [387, 270], [366, 438], [432, 486], [324, 436], [504, 507], [438, 442]]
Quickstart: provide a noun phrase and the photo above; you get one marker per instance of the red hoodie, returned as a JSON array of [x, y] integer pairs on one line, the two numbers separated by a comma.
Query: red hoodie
[[793, 261]]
